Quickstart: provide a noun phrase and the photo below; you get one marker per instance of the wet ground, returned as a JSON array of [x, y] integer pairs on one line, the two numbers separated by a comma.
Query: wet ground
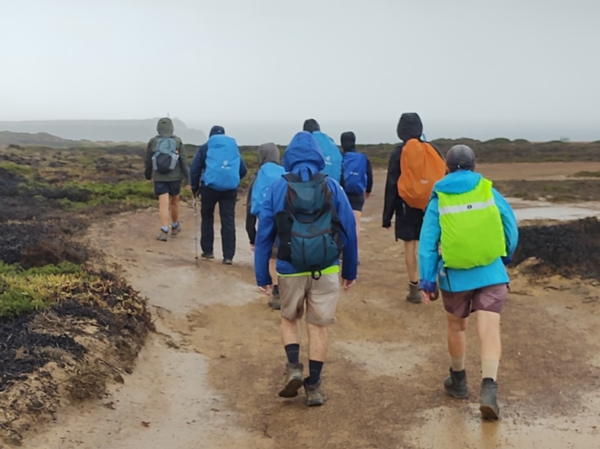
[[209, 376]]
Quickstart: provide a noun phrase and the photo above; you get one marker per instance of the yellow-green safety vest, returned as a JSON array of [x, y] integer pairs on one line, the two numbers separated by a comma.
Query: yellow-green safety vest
[[472, 230]]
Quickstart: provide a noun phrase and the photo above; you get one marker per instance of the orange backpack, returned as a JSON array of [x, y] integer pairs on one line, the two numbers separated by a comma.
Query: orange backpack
[[420, 168]]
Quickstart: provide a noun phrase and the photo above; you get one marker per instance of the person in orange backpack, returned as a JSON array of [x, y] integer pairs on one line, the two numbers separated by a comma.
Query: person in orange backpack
[[414, 167]]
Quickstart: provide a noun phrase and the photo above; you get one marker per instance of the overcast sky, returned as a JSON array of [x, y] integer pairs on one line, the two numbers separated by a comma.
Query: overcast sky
[[260, 67]]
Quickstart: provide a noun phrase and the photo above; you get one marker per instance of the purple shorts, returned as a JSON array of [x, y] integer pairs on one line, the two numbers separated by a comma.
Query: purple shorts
[[488, 299]]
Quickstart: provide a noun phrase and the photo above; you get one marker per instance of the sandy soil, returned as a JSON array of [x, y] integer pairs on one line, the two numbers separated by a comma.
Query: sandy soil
[[209, 376]]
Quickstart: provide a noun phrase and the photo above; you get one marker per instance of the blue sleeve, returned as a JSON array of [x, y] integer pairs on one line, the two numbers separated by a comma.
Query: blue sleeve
[[509, 222], [197, 167], [346, 217], [429, 257], [243, 169], [265, 239]]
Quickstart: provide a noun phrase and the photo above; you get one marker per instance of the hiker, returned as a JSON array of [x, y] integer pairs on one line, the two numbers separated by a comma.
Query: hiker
[[310, 216], [331, 152], [478, 234], [217, 170], [357, 177], [269, 171], [166, 164], [408, 189]]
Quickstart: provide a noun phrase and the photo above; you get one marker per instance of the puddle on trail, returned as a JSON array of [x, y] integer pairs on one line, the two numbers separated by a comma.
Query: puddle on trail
[[540, 210], [460, 427]]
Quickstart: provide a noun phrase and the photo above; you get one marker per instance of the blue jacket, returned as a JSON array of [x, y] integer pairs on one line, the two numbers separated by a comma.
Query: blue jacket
[[430, 262], [302, 157]]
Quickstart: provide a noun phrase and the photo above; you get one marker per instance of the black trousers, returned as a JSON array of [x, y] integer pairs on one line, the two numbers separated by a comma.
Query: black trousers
[[226, 200]]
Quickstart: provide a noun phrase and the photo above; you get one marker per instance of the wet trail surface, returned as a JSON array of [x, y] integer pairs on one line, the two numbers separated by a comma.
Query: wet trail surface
[[209, 376]]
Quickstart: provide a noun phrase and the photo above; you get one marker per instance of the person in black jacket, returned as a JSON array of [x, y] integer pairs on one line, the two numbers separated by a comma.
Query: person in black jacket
[[408, 220]]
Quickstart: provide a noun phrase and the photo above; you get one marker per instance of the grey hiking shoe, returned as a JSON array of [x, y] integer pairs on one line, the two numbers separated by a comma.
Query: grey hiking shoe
[[208, 256], [456, 384], [275, 302], [163, 236], [414, 294], [227, 261], [176, 230], [293, 380], [488, 405], [314, 394]]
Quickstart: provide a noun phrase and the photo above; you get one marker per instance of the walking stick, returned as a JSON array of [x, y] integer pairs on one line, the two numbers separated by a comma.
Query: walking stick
[[196, 228]]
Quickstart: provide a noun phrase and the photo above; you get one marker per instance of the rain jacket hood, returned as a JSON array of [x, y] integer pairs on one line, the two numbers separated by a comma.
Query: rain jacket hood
[[165, 127], [268, 152], [410, 126], [348, 141], [303, 152]]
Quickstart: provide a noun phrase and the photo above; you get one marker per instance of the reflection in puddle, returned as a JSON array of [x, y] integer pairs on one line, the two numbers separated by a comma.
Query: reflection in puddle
[[539, 210]]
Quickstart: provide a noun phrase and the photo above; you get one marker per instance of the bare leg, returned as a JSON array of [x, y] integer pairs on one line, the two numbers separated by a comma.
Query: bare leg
[[317, 342], [273, 271], [456, 336], [163, 210], [174, 200], [290, 332], [410, 254], [488, 328]]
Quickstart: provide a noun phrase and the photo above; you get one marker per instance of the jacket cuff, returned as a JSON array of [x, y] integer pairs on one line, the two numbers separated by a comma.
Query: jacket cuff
[[507, 260], [427, 286]]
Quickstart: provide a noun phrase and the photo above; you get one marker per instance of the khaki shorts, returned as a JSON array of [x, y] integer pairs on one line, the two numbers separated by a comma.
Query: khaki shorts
[[488, 299], [321, 298]]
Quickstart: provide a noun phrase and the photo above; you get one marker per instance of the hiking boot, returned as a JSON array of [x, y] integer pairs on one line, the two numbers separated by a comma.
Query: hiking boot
[[163, 236], [293, 380], [414, 294], [275, 302], [208, 256], [456, 384], [314, 394], [227, 261], [488, 405], [176, 230]]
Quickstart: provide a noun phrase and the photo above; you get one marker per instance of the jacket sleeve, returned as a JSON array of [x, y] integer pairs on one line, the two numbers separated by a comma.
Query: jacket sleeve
[[243, 168], [265, 239], [369, 176], [184, 164], [197, 167], [250, 219], [346, 217], [391, 188], [509, 222], [429, 257], [148, 160]]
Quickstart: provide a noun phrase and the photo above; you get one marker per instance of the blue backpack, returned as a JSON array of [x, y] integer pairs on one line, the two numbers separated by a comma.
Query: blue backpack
[[165, 155], [355, 173], [222, 164], [332, 154], [267, 175], [309, 231]]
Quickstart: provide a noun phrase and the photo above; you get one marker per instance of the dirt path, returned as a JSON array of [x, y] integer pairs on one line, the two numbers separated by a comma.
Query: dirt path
[[209, 377]]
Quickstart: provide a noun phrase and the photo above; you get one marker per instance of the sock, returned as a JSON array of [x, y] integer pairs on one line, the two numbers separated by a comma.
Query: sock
[[457, 363], [175, 224], [164, 228], [315, 372], [489, 369], [414, 283], [293, 353]]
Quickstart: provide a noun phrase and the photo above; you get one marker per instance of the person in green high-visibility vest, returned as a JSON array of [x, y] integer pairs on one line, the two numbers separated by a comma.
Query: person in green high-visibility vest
[[469, 234]]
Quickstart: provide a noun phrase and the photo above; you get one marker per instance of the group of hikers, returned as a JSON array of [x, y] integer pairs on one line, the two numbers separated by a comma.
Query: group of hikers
[[303, 217]]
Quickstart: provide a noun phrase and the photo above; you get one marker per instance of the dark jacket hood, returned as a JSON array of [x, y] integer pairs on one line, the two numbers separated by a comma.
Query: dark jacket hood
[[216, 130], [165, 127], [410, 126], [303, 152], [311, 125], [348, 140], [268, 152]]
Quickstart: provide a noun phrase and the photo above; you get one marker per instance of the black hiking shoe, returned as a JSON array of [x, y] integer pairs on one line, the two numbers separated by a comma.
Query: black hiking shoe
[[456, 384], [315, 395], [488, 405], [227, 261], [163, 236], [293, 380], [275, 302], [414, 294], [176, 230], [208, 256]]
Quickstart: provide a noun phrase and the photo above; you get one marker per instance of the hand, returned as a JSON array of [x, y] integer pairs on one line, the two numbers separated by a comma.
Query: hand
[[387, 228], [367, 195], [188, 188], [428, 296], [347, 285], [266, 290], [252, 247]]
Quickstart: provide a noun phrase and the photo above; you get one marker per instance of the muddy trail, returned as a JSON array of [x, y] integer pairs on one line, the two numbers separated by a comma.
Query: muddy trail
[[209, 375]]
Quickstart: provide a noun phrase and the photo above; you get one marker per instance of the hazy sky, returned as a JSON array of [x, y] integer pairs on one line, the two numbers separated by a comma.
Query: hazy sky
[[260, 67]]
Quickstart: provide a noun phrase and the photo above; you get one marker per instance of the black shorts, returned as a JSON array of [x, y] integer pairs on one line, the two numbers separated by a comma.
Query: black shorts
[[408, 223], [173, 188], [356, 202]]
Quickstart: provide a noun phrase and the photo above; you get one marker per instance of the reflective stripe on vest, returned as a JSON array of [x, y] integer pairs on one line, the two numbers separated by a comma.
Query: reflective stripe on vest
[[472, 231]]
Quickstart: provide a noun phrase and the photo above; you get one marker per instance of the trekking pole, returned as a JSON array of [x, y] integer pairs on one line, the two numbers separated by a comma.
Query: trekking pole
[[196, 229]]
